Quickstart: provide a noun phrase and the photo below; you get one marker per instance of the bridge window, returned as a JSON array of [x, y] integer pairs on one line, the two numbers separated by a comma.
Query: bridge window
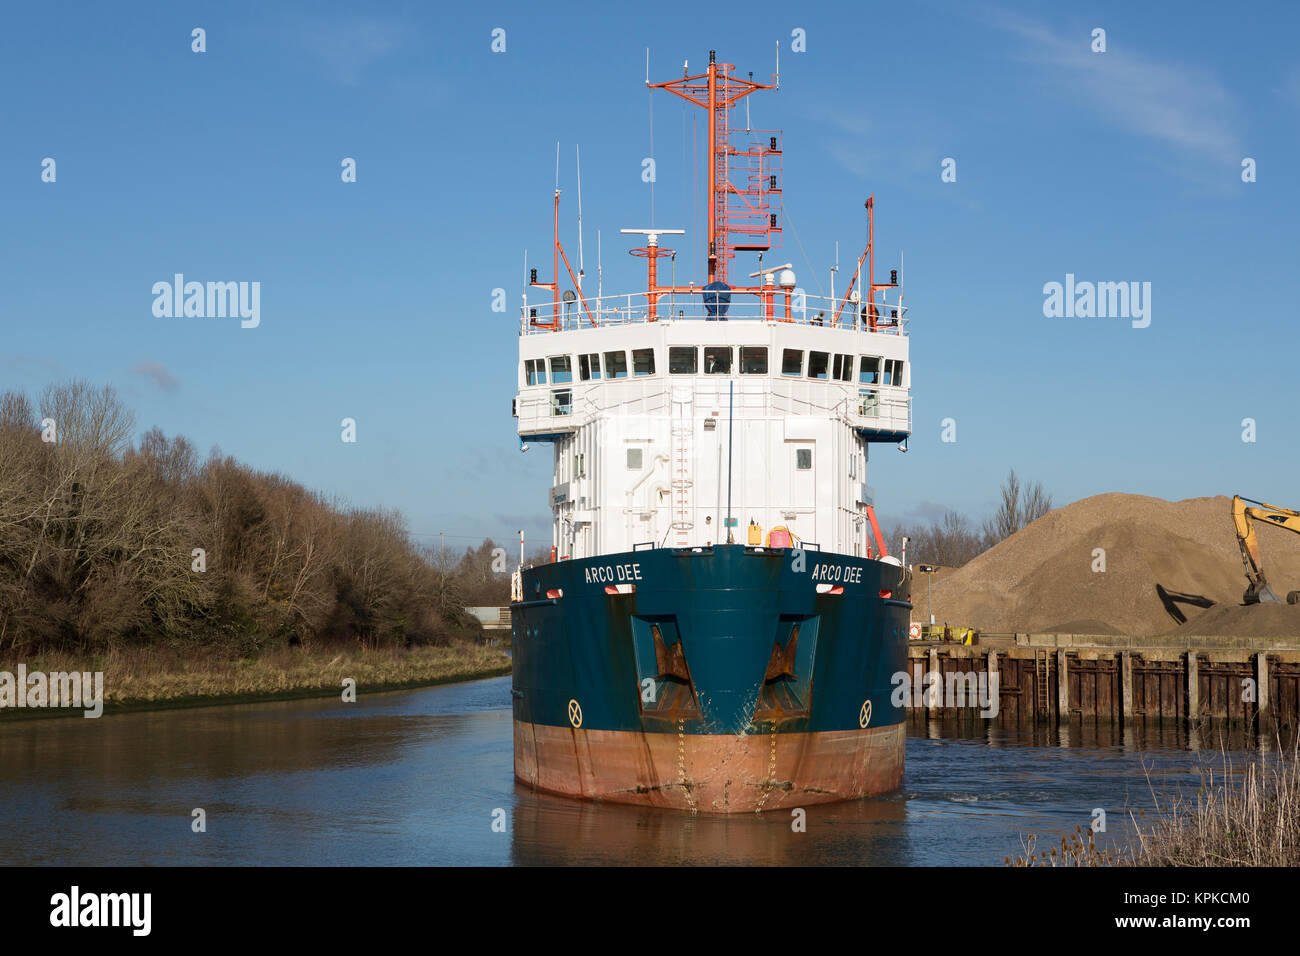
[[535, 371], [844, 368], [753, 360], [792, 362], [561, 401], [818, 364], [643, 361], [561, 369], [683, 360], [616, 365], [869, 370], [893, 372], [717, 359], [589, 366]]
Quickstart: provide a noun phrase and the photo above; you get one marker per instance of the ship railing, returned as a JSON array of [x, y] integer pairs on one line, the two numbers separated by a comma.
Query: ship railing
[[883, 409], [558, 405], [887, 318]]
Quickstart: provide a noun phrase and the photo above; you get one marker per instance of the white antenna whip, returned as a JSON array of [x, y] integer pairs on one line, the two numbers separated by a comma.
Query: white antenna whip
[[578, 154]]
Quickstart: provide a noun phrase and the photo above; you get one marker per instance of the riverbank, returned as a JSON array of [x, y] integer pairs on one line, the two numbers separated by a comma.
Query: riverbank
[[1246, 817], [1244, 813], [152, 679]]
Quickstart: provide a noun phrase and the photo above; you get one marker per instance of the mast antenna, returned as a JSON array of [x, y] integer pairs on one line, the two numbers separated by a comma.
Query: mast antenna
[[650, 96], [577, 153], [835, 268], [900, 284]]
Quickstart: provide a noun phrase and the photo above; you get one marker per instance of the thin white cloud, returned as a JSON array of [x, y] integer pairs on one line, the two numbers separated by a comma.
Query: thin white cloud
[[350, 45], [1183, 107], [36, 361], [157, 373], [1291, 87]]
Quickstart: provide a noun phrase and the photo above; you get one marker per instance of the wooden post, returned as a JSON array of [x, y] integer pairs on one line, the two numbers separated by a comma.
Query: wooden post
[[1193, 687], [995, 691], [1062, 687], [932, 711], [1126, 683], [1261, 681]]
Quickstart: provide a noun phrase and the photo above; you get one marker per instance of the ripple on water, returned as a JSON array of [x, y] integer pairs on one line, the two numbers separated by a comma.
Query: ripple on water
[[417, 777]]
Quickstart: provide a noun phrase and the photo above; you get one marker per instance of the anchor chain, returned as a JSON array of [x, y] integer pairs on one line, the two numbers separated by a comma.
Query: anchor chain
[[681, 764], [770, 784]]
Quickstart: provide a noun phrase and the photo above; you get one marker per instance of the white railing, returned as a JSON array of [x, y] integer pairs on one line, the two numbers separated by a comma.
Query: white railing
[[885, 317], [882, 408]]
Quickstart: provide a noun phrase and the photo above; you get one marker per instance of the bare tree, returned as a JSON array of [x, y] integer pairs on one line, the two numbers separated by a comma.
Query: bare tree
[[951, 541], [1020, 506], [98, 541]]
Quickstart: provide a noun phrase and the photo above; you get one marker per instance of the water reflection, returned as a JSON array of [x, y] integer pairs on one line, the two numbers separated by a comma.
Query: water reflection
[[554, 830], [414, 778]]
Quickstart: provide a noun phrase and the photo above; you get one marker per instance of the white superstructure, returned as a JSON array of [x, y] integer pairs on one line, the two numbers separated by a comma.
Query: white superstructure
[[687, 415], [660, 427]]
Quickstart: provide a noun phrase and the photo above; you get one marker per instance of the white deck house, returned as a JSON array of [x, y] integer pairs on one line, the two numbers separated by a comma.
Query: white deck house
[[644, 417]]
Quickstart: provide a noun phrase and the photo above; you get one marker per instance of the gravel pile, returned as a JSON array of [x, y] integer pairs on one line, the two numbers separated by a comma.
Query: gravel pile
[[1042, 578]]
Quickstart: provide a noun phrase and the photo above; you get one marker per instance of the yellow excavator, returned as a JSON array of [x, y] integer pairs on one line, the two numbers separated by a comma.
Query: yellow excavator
[[1244, 512]]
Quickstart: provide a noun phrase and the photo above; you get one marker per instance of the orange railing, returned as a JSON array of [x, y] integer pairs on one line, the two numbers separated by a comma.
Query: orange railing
[[888, 318]]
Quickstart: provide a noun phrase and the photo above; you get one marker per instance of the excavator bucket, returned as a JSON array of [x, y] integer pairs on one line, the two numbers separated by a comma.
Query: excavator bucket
[[1261, 593]]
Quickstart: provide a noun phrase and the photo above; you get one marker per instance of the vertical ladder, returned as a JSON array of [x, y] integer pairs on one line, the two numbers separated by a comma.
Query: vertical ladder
[[1044, 702], [683, 429], [719, 159]]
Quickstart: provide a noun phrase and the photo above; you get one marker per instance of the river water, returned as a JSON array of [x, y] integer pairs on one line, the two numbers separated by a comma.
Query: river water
[[417, 778]]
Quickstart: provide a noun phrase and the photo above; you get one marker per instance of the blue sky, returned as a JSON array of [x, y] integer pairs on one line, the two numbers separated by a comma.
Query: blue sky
[[376, 295]]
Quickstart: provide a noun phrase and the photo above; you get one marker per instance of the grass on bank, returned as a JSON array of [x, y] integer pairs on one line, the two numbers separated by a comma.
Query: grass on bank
[[158, 677], [1251, 818]]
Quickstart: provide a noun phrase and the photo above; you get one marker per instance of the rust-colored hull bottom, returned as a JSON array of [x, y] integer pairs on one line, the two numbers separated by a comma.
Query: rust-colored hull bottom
[[710, 773]]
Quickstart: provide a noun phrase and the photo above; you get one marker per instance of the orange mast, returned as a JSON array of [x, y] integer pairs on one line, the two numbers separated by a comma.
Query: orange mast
[[743, 209], [554, 286]]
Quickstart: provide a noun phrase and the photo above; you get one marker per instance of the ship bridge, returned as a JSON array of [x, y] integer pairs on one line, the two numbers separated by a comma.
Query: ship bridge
[[686, 416], [664, 427]]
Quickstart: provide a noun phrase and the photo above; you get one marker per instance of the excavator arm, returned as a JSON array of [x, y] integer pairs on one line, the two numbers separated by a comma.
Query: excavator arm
[[1245, 511]]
